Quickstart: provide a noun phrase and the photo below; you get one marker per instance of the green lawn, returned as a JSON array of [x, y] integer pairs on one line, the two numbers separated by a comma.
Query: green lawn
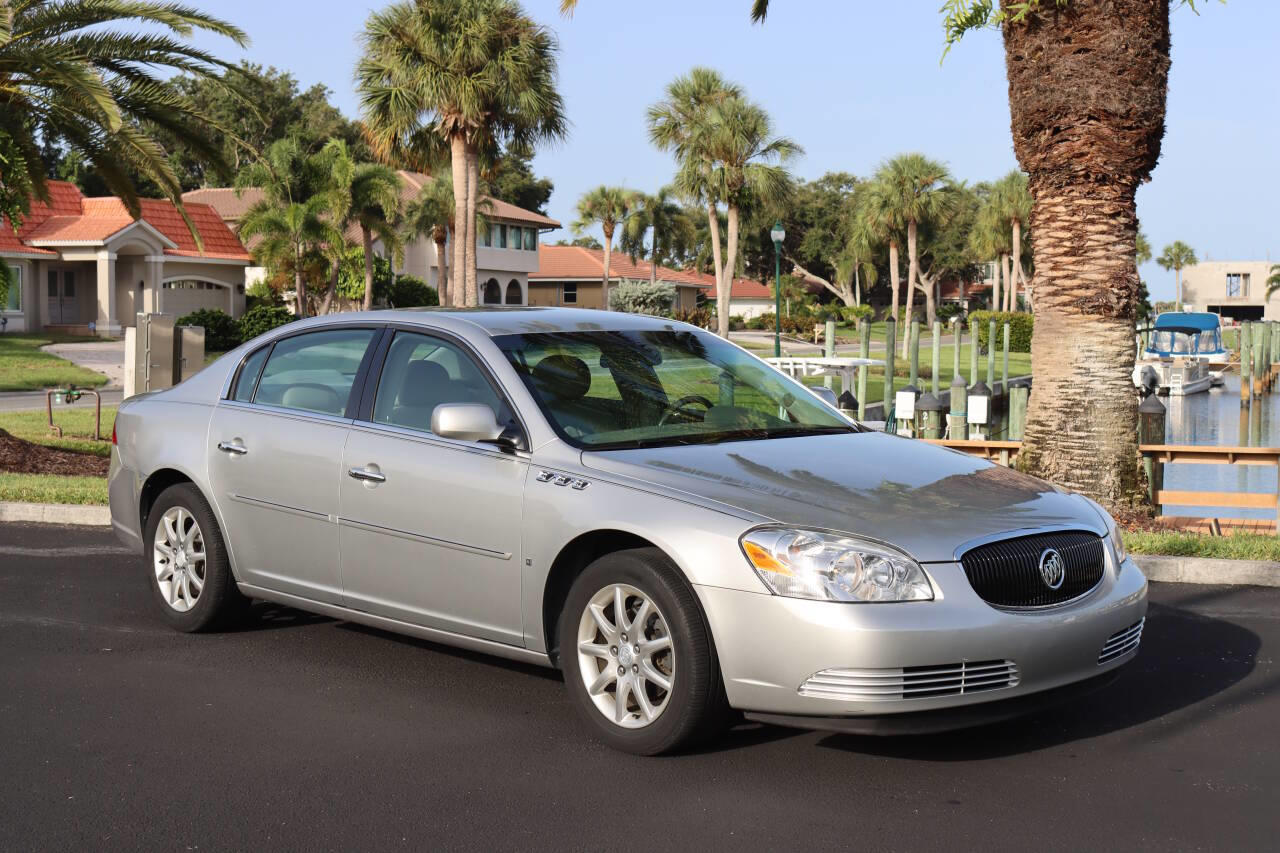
[[77, 428], [24, 367], [44, 489], [1244, 546]]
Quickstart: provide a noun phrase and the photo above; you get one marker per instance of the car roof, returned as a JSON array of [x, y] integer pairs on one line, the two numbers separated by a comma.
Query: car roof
[[516, 320]]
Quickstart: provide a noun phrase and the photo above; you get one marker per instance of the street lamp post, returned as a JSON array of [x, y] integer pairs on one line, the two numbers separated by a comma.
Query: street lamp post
[[778, 235]]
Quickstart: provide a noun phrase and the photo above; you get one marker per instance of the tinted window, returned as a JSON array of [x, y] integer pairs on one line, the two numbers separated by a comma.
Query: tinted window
[[639, 389], [422, 372], [314, 372], [248, 378]]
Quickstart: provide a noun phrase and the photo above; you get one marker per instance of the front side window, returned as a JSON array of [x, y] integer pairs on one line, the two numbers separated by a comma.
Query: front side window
[[422, 372], [14, 300], [247, 380], [628, 389], [314, 372]]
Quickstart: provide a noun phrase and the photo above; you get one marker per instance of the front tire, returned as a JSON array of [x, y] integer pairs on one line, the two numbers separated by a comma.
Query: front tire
[[638, 657], [189, 570]]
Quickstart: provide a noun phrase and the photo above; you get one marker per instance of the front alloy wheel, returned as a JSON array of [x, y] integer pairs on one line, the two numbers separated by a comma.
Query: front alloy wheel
[[625, 656]]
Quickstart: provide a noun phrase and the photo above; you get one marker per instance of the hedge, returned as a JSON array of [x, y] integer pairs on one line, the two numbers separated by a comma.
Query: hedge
[[262, 319], [1020, 326], [220, 331], [409, 291]]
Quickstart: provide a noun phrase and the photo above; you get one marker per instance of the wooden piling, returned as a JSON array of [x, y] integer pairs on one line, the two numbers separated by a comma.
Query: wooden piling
[[1004, 371], [864, 351], [829, 346], [1018, 397], [973, 352], [991, 356], [1246, 365], [957, 422], [957, 340], [890, 342], [1151, 430], [937, 356], [1259, 356]]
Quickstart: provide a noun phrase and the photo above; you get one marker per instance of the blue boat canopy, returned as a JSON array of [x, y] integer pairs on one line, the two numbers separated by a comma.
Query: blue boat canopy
[[1188, 322]]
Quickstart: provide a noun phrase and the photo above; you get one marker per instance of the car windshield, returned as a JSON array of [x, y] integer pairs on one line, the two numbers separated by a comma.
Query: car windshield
[[606, 390]]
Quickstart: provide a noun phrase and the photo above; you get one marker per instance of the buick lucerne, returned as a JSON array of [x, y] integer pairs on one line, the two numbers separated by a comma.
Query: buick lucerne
[[684, 531]]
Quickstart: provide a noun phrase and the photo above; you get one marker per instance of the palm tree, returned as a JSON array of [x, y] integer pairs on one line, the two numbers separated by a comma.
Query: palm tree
[[366, 195], [1273, 281], [432, 213], [73, 71], [991, 238], [726, 153], [1012, 199], [1142, 248], [288, 232], [475, 74], [876, 219], [608, 207], [1176, 256], [661, 214], [915, 191]]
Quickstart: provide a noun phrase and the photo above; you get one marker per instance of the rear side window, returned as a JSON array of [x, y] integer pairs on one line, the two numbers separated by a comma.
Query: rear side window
[[314, 372], [249, 373]]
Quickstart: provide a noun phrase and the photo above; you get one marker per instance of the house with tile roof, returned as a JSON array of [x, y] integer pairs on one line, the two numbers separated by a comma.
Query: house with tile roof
[[87, 263], [574, 275], [506, 252], [747, 297]]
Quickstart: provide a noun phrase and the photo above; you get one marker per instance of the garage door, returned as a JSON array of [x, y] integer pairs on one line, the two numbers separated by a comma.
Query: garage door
[[183, 297]]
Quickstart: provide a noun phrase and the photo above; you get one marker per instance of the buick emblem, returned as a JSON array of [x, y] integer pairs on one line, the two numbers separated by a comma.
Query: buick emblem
[[1052, 570]]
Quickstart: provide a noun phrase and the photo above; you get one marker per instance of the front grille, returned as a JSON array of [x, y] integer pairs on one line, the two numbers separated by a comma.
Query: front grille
[[911, 682], [1007, 573], [1122, 642]]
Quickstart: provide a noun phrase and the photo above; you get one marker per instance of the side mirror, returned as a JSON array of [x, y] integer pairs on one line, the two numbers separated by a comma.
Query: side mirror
[[466, 422], [828, 396]]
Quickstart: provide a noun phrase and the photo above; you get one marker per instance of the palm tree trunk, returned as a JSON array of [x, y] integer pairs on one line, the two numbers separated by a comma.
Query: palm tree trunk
[[893, 288], [367, 237], [442, 271], [913, 271], [327, 304], [996, 295], [472, 295], [653, 258], [724, 287], [461, 225], [1010, 285], [857, 284], [299, 283], [1086, 151], [608, 257], [1018, 274]]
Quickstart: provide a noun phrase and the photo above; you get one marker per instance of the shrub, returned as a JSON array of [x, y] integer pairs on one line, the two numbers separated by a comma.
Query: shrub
[[409, 291], [699, 317], [947, 310], [853, 313], [220, 331], [1020, 326], [642, 297], [736, 323], [351, 276], [262, 293], [260, 320]]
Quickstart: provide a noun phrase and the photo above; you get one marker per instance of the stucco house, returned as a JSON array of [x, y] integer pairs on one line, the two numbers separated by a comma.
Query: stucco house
[[747, 297], [574, 275], [86, 263], [1235, 289], [505, 254]]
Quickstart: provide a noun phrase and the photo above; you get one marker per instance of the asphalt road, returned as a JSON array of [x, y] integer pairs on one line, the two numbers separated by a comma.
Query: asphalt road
[[305, 733]]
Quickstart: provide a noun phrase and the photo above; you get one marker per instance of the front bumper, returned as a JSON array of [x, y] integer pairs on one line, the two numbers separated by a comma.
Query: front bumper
[[771, 647]]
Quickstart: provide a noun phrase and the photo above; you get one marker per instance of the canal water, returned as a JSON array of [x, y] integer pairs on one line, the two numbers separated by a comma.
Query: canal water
[[1217, 418]]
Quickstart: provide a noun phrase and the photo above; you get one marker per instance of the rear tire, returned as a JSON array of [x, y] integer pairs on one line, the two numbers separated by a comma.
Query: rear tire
[[665, 670], [188, 568]]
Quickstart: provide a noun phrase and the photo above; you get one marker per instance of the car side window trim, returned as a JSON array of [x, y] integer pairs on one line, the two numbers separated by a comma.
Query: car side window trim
[[234, 385], [364, 416]]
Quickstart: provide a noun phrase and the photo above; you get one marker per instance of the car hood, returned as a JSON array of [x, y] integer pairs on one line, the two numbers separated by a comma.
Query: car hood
[[925, 499]]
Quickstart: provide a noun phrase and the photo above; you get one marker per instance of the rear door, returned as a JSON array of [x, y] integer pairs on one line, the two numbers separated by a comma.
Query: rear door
[[430, 526], [275, 456]]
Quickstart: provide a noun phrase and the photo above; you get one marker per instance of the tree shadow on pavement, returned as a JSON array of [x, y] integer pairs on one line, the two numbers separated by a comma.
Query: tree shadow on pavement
[[1185, 659]]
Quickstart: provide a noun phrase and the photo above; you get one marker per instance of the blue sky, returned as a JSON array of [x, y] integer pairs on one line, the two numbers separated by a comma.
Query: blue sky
[[854, 83]]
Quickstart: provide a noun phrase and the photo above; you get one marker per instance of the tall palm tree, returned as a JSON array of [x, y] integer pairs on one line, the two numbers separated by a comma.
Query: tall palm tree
[[1012, 199], [1176, 256], [98, 74], [288, 232], [431, 213], [876, 218], [610, 208], [915, 191], [726, 153], [366, 195], [991, 238], [668, 223], [475, 74]]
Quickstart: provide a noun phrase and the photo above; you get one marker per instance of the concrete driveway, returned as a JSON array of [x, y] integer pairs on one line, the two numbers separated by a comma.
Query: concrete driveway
[[298, 732], [106, 357]]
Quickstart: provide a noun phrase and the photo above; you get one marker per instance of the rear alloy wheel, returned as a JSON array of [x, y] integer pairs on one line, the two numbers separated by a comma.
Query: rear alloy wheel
[[190, 572], [638, 657]]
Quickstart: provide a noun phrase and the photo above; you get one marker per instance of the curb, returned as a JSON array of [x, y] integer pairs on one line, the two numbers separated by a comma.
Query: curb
[[95, 516], [1208, 571]]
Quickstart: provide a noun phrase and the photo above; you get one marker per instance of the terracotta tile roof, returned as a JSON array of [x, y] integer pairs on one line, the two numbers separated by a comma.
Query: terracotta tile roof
[[64, 200], [225, 201], [559, 263], [73, 218], [741, 288]]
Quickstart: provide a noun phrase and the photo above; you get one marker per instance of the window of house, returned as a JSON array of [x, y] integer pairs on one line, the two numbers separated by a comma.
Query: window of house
[[492, 292], [314, 372], [486, 239], [570, 294], [514, 294], [531, 239], [14, 301], [1237, 285]]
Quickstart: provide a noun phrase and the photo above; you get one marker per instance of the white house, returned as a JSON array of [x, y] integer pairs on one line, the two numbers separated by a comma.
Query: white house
[[86, 263]]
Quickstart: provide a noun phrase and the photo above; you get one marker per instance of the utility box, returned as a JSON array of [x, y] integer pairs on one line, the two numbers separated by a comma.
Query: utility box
[[149, 354], [188, 352]]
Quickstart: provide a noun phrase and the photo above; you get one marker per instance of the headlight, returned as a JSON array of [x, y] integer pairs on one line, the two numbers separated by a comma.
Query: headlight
[[1117, 541], [830, 567]]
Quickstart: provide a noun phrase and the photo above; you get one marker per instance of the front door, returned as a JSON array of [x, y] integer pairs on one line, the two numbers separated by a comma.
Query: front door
[[275, 448], [430, 527], [63, 307]]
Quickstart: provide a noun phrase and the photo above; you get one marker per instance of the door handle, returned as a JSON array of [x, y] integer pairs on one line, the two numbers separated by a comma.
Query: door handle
[[232, 447], [366, 475]]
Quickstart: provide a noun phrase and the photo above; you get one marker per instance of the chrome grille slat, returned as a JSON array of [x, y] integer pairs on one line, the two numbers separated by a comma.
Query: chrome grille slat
[[1121, 643], [911, 682], [1006, 573]]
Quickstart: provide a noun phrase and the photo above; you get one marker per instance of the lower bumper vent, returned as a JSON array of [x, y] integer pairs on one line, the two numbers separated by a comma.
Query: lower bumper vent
[[1122, 642], [911, 682]]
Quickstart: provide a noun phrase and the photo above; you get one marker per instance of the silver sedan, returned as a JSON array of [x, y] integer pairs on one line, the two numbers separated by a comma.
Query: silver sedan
[[680, 528]]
